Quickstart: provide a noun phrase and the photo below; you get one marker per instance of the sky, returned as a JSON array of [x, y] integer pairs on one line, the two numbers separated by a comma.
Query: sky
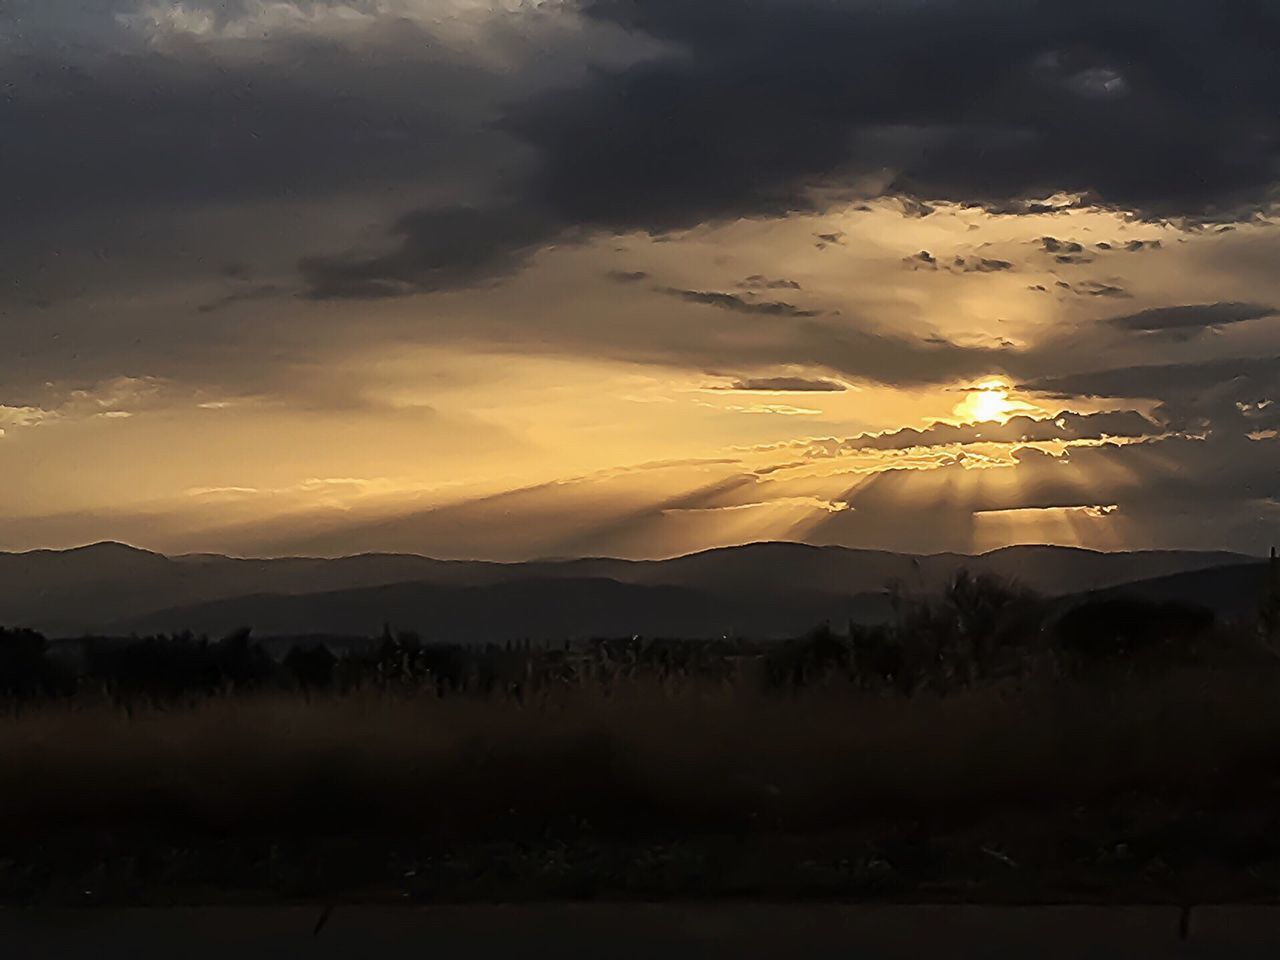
[[540, 278]]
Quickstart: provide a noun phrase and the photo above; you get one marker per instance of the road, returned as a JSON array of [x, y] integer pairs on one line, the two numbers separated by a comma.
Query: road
[[627, 931]]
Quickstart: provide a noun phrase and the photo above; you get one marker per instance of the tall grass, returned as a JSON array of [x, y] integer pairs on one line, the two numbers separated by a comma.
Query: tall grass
[[631, 756]]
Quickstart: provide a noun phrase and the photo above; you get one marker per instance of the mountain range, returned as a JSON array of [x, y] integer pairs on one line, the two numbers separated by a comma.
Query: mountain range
[[762, 590]]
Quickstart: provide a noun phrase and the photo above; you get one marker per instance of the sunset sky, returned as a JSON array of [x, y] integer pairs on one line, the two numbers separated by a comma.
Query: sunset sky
[[511, 279]]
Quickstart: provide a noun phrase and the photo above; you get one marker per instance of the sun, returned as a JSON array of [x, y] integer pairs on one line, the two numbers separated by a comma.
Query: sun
[[989, 401]]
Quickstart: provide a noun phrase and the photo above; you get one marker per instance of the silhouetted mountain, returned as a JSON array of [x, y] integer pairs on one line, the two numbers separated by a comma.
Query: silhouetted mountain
[[86, 589], [779, 566], [102, 581], [1231, 592]]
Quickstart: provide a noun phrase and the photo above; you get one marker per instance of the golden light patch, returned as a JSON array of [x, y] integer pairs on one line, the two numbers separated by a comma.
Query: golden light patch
[[990, 401], [1099, 526]]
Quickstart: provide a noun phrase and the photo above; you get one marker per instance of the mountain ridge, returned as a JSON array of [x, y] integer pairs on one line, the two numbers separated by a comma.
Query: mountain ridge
[[119, 545], [96, 586]]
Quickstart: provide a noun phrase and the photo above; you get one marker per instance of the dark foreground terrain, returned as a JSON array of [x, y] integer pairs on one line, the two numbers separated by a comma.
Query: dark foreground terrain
[[672, 931], [1171, 796], [969, 751]]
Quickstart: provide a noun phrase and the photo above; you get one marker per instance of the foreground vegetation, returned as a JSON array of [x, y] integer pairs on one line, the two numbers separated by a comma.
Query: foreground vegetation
[[955, 755]]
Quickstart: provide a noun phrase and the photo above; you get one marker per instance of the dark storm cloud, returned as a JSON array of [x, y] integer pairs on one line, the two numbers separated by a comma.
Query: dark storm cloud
[[1230, 397], [716, 111], [116, 120], [1160, 379], [1092, 288], [1166, 109], [873, 356], [438, 250], [265, 291], [1054, 245], [973, 100], [1087, 288], [982, 265], [737, 304], [1172, 469], [1192, 318], [959, 264], [789, 385], [848, 347], [156, 128], [627, 276]]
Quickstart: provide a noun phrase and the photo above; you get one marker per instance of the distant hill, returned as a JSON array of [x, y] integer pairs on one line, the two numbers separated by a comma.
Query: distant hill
[[110, 585], [1232, 592], [793, 566]]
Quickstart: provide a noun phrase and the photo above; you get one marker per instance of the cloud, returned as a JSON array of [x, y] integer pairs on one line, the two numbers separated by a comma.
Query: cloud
[[794, 95], [627, 276], [738, 304], [1168, 380], [988, 102], [788, 385], [438, 250], [12, 417], [982, 265], [1169, 492], [1054, 245], [1065, 426], [801, 503], [236, 160], [760, 282], [1191, 318], [263, 291], [1166, 491], [1095, 288], [777, 409], [229, 21], [294, 118], [568, 119], [114, 399], [1065, 252], [959, 264]]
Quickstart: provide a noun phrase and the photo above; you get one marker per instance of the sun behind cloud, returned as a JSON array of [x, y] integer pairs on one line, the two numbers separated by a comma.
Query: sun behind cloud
[[989, 400]]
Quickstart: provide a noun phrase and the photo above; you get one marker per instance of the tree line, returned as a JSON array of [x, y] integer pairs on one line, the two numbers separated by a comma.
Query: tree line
[[978, 629]]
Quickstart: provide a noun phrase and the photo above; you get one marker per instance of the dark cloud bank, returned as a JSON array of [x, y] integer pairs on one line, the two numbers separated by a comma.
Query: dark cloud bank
[[1165, 109]]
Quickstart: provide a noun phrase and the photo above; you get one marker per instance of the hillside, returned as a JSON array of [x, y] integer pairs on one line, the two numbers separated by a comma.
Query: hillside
[[769, 584], [1231, 592]]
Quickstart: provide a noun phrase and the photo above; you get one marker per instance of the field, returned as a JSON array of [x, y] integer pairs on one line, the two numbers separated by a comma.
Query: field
[[963, 753], [1159, 786]]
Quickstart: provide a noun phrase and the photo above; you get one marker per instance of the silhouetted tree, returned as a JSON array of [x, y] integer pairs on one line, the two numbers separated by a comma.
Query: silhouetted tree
[[980, 627], [796, 664], [1269, 610], [1129, 632], [26, 671], [310, 668]]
